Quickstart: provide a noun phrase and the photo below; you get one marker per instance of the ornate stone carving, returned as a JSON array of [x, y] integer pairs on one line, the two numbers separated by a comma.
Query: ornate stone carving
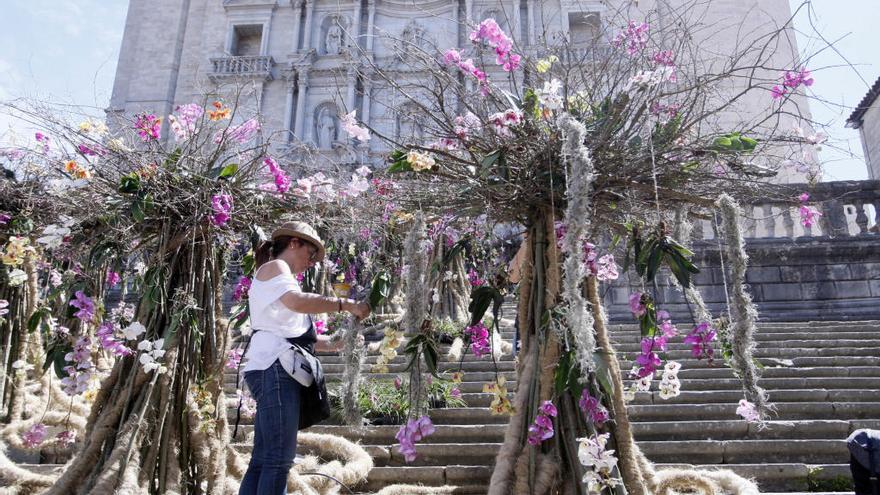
[[414, 40], [326, 127]]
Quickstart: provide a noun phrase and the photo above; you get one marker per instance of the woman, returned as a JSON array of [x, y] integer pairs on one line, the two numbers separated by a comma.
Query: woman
[[279, 312]]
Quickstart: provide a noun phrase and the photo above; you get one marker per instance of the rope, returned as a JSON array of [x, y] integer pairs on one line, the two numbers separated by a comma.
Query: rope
[[721, 257], [343, 485]]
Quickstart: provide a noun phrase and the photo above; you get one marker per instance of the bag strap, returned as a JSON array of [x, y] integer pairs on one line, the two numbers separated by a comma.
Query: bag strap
[[237, 382]]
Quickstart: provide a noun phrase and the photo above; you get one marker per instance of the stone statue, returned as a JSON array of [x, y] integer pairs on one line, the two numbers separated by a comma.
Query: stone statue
[[408, 128], [326, 127], [333, 42]]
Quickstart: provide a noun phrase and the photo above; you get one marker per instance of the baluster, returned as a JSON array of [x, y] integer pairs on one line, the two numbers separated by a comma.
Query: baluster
[[833, 219], [769, 221], [876, 227], [861, 216], [750, 224], [697, 232], [788, 222]]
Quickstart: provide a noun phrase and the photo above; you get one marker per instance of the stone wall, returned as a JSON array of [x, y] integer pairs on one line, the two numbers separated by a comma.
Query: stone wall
[[805, 279]]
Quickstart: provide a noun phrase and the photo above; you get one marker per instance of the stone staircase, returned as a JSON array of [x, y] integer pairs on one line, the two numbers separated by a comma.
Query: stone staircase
[[824, 379]]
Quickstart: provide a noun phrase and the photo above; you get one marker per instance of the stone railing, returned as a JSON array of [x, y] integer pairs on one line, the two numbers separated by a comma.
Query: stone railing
[[848, 208], [830, 271], [597, 52], [259, 67]]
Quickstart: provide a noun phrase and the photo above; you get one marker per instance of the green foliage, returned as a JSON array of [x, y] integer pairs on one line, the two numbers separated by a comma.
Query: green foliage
[[816, 483], [381, 289], [481, 298], [385, 403], [130, 184], [399, 163], [55, 353], [658, 249], [422, 344], [734, 143]]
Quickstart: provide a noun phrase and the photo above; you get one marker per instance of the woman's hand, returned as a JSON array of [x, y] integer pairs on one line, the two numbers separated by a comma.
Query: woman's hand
[[360, 310]]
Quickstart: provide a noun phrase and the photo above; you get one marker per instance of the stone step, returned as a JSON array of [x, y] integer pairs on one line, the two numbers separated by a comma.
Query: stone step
[[690, 412], [643, 431], [810, 451], [794, 478], [784, 411], [870, 359], [824, 343], [776, 395]]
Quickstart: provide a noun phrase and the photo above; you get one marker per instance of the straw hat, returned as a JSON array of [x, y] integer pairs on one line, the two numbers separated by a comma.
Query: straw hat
[[302, 231]]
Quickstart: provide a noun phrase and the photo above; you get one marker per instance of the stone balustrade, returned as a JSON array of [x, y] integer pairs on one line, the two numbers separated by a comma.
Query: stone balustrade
[[830, 271], [253, 66], [848, 208]]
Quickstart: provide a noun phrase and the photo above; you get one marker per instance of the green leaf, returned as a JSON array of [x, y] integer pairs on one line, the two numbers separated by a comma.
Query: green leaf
[[228, 171], [399, 163], [130, 183], [55, 358], [481, 298], [563, 370], [247, 264], [173, 158], [381, 289], [654, 261], [749, 144], [488, 161], [603, 372], [36, 318]]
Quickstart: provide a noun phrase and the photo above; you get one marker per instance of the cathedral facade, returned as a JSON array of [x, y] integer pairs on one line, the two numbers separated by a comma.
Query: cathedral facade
[[302, 64]]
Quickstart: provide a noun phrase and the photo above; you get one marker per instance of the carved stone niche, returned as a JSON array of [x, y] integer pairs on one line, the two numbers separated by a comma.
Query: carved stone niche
[[334, 38], [409, 128], [414, 41], [326, 125]]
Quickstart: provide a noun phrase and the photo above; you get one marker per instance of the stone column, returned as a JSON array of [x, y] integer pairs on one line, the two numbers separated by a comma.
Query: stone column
[[371, 21], [303, 88], [351, 80], [307, 39], [368, 90], [531, 8], [468, 11], [355, 33], [297, 25], [288, 108]]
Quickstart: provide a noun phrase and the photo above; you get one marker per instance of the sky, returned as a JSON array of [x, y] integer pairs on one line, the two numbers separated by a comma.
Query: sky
[[66, 52]]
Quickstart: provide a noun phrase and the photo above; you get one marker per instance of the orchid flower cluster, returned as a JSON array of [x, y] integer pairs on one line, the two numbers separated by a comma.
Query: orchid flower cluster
[[388, 350], [410, 433], [324, 189], [221, 204], [105, 334], [791, 80], [809, 214], [282, 181], [233, 358], [240, 134], [600, 463], [85, 305], [479, 338], [700, 339], [500, 403], [80, 370], [669, 385], [634, 37], [34, 435], [184, 124], [542, 428], [748, 411], [241, 289], [148, 127], [490, 32], [593, 408]]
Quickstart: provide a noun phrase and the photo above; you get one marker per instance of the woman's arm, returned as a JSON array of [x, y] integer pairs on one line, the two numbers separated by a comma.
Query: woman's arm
[[303, 302]]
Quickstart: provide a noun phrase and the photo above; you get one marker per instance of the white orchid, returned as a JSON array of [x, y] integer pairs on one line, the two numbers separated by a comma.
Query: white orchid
[[133, 331], [349, 125], [16, 277], [152, 353]]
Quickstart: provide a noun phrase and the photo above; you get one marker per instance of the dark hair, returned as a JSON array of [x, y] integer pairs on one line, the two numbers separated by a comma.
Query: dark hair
[[269, 250]]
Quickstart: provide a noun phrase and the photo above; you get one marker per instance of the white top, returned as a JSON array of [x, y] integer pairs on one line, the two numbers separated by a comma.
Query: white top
[[275, 323]]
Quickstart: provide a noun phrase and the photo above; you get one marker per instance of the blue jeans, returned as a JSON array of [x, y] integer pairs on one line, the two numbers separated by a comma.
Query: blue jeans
[[275, 428]]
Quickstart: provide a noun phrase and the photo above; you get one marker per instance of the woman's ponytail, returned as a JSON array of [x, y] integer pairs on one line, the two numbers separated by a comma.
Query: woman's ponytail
[[268, 250], [262, 254]]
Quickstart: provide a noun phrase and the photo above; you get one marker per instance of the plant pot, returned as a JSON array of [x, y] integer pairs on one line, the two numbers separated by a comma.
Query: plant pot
[[342, 289], [385, 420]]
